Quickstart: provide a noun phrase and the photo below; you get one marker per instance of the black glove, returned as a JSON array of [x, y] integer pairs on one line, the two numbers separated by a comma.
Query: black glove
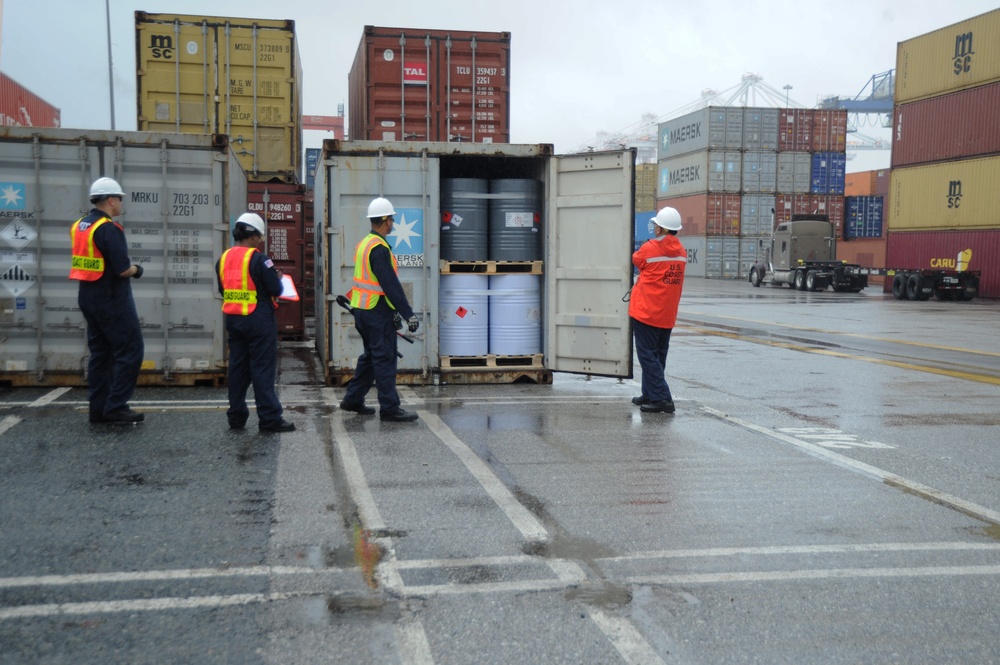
[[413, 324], [138, 271], [397, 321]]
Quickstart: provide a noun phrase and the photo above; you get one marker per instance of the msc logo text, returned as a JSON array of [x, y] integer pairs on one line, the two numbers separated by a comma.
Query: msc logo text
[[954, 193], [963, 53], [161, 46]]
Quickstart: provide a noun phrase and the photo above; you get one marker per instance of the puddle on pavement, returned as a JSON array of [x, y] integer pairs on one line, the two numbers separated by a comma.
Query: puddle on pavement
[[331, 610], [605, 595]]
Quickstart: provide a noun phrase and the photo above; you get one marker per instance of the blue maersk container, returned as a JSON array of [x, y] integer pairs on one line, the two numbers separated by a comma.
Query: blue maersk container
[[863, 216], [312, 159], [828, 172], [643, 229]]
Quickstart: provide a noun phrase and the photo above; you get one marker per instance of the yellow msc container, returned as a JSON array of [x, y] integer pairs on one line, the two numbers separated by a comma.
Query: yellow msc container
[[959, 56], [218, 75], [961, 194]]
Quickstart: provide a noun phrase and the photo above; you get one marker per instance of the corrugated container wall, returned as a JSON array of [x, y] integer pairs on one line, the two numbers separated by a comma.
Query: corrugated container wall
[[760, 128], [408, 84], [948, 195], [707, 214], [182, 192], [234, 76], [866, 252], [786, 205], [829, 130], [283, 208], [863, 217], [19, 107], [861, 183], [954, 126], [940, 249], [700, 172], [645, 187], [710, 128], [795, 130], [959, 56]]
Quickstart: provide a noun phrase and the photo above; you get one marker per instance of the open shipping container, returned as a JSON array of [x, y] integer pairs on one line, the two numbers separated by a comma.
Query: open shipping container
[[182, 194], [587, 242]]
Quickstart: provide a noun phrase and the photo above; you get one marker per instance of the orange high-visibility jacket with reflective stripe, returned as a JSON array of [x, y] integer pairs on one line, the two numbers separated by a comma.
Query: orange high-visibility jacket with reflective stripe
[[239, 293], [88, 262], [657, 291], [366, 290]]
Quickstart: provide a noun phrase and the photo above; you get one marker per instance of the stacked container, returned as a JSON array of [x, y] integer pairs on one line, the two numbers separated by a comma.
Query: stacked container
[[233, 76], [863, 240], [725, 169], [946, 150], [408, 84], [19, 107], [182, 194]]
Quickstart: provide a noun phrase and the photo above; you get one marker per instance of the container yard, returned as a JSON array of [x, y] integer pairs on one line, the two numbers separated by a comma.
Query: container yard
[[408, 84], [182, 191]]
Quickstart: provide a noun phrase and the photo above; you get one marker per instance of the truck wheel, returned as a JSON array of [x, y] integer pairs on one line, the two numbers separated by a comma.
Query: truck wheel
[[899, 286], [970, 289], [800, 280], [811, 283], [916, 289], [754, 277]]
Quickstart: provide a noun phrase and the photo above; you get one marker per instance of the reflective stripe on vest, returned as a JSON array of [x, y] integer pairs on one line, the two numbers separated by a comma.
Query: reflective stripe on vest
[[367, 290], [87, 261], [239, 293]]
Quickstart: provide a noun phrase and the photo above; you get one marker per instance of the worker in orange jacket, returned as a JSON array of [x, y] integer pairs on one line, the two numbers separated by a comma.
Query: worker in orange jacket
[[653, 307]]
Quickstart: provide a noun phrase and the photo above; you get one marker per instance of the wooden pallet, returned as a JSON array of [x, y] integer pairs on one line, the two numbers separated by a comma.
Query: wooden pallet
[[492, 361], [491, 267]]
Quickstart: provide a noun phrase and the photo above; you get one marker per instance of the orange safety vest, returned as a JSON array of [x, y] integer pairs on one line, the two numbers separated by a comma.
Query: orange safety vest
[[87, 262], [657, 292], [239, 293], [367, 290]]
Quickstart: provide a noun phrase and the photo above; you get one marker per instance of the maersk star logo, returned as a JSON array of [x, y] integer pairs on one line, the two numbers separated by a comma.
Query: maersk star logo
[[11, 196], [408, 231], [665, 140]]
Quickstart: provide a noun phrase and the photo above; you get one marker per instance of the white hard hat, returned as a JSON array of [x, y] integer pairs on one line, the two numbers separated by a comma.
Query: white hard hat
[[106, 187], [668, 219], [252, 220], [379, 208]]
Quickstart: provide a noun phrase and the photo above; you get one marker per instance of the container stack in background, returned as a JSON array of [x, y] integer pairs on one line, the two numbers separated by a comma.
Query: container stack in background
[[944, 194], [19, 107], [863, 239], [726, 168], [240, 78]]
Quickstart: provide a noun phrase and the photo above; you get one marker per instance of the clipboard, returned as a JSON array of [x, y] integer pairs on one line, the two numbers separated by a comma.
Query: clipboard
[[288, 289]]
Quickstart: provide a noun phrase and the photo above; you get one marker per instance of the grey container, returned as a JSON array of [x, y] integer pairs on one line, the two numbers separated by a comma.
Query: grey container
[[182, 191], [794, 173], [755, 214], [760, 129], [464, 219], [515, 220], [760, 169]]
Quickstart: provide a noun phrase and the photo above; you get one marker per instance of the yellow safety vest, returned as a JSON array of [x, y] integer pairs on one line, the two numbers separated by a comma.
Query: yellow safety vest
[[367, 290]]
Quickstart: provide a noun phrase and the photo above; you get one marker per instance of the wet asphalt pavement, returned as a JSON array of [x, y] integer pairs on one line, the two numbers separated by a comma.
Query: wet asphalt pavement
[[827, 492]]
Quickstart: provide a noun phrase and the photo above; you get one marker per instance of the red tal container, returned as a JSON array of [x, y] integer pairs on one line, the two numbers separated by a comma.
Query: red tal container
[[866, 252], [956, 126], [408, 84], [19, 107], [707, 214], [829, 130], [283, 207], [939, 249], [795, 130]]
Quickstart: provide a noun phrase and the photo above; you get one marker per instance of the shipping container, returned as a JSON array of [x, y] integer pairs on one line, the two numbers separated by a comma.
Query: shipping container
[[695, 246], [707, 214], [794, 172], [710, 128], [786, 205], [409, 84], [863, 217], [182, 194], [19, 107], [760, 171], [940, 250], [312, 160], [865, 252], [757, 214], [831, 205], [587, 225], [828, 169], [220, 75], [947, 195], [760, 128], [283, 207], [700, 172], [882, 178], [861, 183], [956, 126], [795, 130], [722, 257], [959, 56], [829, 130], [645, 186]]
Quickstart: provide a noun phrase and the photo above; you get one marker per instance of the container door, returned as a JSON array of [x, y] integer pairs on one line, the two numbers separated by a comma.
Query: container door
[[588, 267]]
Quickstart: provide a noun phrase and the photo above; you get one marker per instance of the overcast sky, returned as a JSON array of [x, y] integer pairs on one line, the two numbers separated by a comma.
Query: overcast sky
[[576, 67]]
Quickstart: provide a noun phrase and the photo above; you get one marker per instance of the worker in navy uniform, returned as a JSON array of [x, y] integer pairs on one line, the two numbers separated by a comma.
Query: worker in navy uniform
[[377, 299], [101, 264], [250, 285]]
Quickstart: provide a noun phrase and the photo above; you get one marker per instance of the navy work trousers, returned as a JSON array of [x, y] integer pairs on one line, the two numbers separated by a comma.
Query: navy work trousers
[[114, 338], [378, 362], [253, 359], [651, 346]]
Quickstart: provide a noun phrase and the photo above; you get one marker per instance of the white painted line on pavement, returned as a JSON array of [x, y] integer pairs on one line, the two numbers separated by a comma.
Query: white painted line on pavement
[[52, 396], [8, 422], [818, 574], [368, 510], [523, 520], [414, 648], [972, 509], [628, 641], [143, 605], [160, 575], [805, 549]]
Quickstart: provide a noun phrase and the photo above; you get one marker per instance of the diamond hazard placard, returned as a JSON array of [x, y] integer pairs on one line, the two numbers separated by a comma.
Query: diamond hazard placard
[[17, 234], [16, 280], [461, 312]]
